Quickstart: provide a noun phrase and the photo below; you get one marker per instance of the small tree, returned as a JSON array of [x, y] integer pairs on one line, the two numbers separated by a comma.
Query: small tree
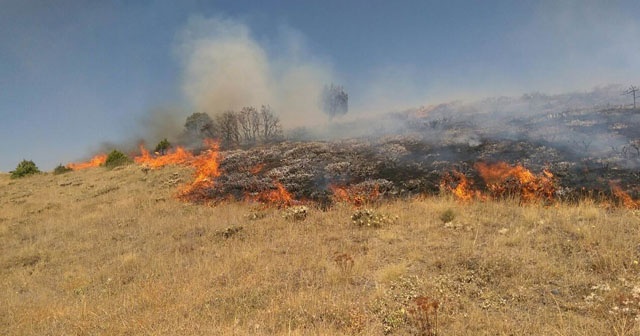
[[200, 125], [227, 126], [271, 129], [334, 100], [163, 146], [24, 168], [116, 158], [249, 125]]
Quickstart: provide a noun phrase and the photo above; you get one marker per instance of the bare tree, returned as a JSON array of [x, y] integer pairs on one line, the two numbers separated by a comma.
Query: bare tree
[[632, 91], [270, 123], [227, 126], [249, 125], [334, 100]]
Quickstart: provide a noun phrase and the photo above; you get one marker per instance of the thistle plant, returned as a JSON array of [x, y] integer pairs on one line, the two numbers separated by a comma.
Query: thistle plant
[[296, 213], [371, 218]]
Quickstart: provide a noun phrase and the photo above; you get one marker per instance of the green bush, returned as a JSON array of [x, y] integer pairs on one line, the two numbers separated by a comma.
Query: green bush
[[24, 168], [116, 158], [163, 146], [60, 169], [447, 216]]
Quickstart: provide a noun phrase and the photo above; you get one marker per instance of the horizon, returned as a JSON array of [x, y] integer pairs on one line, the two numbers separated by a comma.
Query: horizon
[[75, 76]]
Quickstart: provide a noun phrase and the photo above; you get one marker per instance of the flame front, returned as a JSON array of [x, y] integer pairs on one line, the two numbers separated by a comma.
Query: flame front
[[96, 161], [179, 156], [207, 170], [502, 179], [354, 195], [278, 196], [462, 189], [626, 200]]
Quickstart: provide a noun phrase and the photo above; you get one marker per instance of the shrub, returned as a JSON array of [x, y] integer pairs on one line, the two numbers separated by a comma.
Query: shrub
[[296, 213], [116, 158], [230, 231], [24, 168], [368, 217], [60, 169], [256, 215], [163, 146], [447, 216]]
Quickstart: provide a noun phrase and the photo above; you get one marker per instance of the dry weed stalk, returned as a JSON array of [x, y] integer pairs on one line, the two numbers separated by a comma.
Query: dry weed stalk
[[424, 315], [344, 262]]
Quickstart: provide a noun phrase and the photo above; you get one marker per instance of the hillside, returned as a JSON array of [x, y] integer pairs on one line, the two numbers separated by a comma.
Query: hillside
[[113, 252]]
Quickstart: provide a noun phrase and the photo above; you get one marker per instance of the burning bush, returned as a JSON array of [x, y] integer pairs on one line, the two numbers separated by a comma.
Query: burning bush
[[24, 168], [116, 158]]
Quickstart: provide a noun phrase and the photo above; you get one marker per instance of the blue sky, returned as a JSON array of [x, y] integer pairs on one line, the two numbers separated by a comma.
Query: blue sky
[[76, 74]]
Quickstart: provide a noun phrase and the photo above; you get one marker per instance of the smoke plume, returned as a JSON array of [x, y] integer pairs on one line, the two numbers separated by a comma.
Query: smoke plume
[[225, 68]]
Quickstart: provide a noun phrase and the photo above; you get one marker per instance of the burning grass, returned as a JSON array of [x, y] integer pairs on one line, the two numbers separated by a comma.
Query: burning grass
[[114, 252], [501, 181], [357, 195], [624, 198], [178, 156], [96, 161]]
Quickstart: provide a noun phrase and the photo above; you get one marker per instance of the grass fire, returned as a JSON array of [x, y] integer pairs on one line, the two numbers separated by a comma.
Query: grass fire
[[365, 168], [410, 233]]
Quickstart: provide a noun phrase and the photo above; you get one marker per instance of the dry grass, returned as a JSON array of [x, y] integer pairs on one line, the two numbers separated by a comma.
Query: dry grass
[[113, 253]]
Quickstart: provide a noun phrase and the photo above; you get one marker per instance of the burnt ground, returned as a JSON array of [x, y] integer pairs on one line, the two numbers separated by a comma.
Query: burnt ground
[[585, 149]]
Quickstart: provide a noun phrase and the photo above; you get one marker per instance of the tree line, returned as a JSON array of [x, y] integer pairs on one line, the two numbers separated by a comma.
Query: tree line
[[247, 127]]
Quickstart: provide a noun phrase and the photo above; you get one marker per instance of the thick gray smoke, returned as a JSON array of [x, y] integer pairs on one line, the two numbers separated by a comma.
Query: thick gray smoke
[[225, 68]]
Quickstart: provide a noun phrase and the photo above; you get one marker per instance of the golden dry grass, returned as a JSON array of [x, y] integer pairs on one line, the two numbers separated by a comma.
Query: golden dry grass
[[100, 252]]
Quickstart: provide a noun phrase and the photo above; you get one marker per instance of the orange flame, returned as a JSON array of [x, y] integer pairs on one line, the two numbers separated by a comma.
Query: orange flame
[[207, 170], [626, 200], [462, 189], [179, 156], [279, 196], [96, 161], [345, 195], [354, 195], [502, 179]]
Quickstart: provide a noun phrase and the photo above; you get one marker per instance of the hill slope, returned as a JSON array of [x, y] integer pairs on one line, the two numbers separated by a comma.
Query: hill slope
[[113, 252]]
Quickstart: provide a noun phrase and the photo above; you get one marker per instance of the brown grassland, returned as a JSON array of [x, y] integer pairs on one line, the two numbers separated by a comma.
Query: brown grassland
[[112, 252]]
